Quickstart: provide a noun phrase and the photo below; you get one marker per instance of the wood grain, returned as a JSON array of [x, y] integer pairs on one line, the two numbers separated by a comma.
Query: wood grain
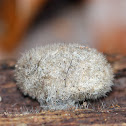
[[19, 110]]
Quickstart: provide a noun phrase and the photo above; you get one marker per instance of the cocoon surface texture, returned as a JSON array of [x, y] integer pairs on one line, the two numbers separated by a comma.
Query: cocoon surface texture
[[60, 75]]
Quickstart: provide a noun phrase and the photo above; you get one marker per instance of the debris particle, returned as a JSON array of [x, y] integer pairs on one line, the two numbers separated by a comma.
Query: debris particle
[[0, 98]]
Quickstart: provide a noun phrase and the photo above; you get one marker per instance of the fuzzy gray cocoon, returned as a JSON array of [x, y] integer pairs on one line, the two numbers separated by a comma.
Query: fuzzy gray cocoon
[[60, 75]]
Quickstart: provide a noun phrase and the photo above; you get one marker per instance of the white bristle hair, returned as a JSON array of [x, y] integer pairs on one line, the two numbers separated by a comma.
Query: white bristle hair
[[60, 75]]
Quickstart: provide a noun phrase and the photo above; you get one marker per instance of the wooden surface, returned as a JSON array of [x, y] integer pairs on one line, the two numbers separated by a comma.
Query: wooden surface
[[19, 110]]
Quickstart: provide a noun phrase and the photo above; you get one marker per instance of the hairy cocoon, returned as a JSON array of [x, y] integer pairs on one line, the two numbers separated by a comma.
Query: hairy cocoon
[[60, 75]]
